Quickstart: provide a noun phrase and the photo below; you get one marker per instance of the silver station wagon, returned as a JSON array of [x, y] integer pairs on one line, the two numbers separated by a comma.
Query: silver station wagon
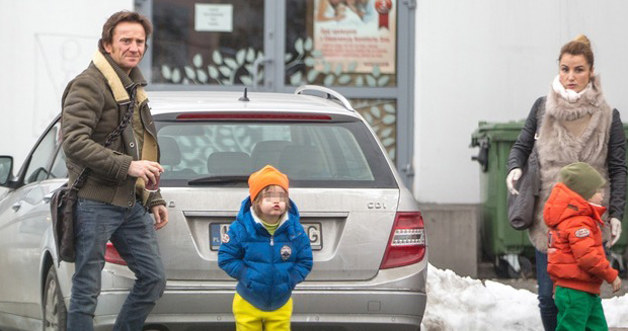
[[366, 231]]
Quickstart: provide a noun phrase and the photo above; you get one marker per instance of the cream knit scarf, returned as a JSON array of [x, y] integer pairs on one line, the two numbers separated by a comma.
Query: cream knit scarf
[[569, 95]]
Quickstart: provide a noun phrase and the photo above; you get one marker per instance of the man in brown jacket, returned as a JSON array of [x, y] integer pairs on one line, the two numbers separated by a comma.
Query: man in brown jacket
[[113, 203]]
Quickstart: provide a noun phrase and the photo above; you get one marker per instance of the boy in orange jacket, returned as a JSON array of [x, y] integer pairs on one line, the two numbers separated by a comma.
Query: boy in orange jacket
[[577, 263]]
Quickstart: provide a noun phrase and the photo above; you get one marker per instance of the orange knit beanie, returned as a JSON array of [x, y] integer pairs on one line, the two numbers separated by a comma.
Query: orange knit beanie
[[264, 177]]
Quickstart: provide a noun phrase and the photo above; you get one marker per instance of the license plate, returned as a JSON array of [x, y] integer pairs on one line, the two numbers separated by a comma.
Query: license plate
[[218, 230]]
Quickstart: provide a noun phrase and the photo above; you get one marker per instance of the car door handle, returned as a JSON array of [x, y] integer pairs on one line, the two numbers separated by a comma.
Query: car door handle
[[48, 197], [16, 206]]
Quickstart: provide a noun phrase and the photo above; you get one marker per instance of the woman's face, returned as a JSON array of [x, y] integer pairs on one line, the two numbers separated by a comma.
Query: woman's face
[[575, 72]]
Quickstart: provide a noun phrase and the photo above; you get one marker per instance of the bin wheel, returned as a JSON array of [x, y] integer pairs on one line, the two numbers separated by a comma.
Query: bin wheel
[[513, 266]]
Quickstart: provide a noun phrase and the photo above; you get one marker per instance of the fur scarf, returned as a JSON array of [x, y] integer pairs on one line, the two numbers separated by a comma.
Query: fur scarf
[[557, 147]]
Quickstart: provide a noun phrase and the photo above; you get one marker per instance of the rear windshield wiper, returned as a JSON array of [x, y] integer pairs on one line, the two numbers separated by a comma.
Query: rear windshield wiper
[[225, 179]]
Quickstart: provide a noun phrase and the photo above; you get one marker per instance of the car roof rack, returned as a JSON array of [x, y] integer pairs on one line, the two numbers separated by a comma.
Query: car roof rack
[[329, 92]]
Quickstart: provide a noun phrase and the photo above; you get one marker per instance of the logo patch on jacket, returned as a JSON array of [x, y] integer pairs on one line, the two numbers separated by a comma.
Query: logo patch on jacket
[[285, 252], [581, 233]]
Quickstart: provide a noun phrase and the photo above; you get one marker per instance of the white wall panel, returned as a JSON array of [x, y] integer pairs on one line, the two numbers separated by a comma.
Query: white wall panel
[[44, 45], [490, 60]]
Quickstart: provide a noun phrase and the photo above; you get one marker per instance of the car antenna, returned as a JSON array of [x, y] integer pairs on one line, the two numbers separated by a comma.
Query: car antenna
[[244, 97]]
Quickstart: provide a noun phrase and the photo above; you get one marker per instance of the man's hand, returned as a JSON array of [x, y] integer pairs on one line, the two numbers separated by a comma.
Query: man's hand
[[511, 179], [147, 170], [615, 231], [616, 284], [160, 212]]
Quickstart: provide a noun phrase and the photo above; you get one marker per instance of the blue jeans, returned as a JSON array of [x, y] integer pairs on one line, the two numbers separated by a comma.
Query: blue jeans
[[132, 233], [549, 312]]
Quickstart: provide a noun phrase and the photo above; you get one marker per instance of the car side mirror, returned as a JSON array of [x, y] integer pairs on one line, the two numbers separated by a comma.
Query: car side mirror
[[6, 169]]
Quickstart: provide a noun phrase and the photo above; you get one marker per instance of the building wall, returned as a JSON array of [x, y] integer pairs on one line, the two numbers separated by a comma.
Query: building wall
[[490, 60], [44, 45]]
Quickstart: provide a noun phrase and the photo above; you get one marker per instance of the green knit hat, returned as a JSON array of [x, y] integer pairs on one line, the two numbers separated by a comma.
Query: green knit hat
[[582, 178]]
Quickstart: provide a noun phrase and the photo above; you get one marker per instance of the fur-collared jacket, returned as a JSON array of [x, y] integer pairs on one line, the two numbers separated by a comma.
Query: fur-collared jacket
[[587, 130], [94, 104]]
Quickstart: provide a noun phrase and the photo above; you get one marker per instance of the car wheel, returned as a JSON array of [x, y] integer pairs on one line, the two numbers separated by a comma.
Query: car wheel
[[54, 310]]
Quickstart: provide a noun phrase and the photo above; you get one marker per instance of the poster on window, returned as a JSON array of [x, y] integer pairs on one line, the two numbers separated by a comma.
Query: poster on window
[[358, 35]]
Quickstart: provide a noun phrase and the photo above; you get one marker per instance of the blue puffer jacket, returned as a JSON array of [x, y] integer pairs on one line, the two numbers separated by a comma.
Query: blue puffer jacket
[[267, 267]]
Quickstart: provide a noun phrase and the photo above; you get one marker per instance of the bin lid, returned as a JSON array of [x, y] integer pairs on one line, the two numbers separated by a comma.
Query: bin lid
[[497, 131]]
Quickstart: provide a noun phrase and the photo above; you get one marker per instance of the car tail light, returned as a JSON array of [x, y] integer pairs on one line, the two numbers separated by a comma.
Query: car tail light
[[407, 241], [112, 255], [253, 116]]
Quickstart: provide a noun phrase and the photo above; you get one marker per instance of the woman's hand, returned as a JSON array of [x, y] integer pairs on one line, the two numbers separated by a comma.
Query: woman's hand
[[511, 179], [615, 231]]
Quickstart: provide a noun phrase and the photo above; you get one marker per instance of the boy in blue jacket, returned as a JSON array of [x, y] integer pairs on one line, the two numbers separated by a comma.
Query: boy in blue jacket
[[267, 250]]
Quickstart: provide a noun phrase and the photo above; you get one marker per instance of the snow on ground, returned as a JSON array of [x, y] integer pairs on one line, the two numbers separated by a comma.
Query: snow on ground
[[463, 303]]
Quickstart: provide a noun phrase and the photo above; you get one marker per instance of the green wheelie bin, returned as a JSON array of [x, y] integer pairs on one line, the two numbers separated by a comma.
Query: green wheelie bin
[[510, 249]]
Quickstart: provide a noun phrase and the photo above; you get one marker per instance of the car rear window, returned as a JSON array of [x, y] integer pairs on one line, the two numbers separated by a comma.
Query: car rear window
[[312, 154]]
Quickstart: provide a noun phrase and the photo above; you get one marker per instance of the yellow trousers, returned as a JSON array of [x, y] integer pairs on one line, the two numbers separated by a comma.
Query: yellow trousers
[[249, 318]]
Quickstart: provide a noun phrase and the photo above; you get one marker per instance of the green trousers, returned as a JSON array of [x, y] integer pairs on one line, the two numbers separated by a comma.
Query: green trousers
[[578, 310]]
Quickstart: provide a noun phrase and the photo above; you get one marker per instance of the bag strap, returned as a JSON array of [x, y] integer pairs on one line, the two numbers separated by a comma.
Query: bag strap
[[126, 119], [540, 111]]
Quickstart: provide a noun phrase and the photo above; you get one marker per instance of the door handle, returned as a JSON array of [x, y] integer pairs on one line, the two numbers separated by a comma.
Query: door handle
[[256, 64], [48, 197], [16, 206]]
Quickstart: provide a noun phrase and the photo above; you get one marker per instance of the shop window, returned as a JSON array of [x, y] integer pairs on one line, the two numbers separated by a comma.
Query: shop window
[[341, 43], [207, 42]]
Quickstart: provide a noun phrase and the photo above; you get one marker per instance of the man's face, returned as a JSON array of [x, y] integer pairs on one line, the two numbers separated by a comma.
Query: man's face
[[128, 45]]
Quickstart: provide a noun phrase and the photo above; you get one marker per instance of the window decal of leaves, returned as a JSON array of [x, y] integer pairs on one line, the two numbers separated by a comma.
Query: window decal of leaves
[[306, 59], [196, 149], [222, 70], [381, 115]]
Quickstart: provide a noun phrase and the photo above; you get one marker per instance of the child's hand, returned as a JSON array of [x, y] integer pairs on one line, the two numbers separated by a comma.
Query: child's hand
[[616, 284]]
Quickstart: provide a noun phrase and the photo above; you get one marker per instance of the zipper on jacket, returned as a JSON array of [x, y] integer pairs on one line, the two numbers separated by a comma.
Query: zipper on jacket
[[272, 266]]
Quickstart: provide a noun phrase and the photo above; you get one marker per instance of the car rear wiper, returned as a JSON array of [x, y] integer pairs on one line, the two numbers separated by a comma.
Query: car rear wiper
[[223, 179]]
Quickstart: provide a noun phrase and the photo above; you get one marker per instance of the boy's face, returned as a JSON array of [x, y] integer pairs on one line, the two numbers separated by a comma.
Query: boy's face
[[272, 203], [598, 197]]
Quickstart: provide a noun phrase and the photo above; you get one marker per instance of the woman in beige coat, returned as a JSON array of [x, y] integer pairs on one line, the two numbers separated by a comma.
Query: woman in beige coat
[[577, 124]]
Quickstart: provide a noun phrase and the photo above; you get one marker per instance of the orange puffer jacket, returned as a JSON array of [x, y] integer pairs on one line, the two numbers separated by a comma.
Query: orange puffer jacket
[[575, 254]]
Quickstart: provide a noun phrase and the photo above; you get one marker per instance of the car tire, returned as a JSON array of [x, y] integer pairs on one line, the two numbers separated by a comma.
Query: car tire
[[53, 307]]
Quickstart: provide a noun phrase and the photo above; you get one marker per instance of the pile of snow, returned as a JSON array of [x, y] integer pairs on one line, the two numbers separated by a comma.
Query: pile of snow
[[463, 303]]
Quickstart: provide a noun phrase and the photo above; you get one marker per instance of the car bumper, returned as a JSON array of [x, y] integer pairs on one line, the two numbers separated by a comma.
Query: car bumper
[[341, 310], [395, 298]]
